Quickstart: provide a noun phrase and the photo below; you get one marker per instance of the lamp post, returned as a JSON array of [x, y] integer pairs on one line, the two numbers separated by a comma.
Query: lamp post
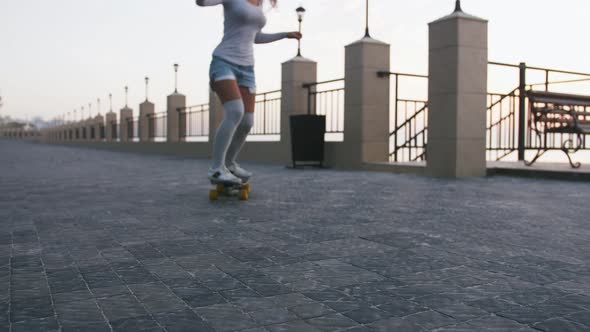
[[111, 101], [458, 6], [300, 13], [147, 82], [176, 77], [367, 35], [126, 96]]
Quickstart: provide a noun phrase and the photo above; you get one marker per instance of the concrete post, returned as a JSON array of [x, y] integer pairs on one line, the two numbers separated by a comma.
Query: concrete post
[[294, 73], [146, 109], [174, 102], [457, 96], [111, 118], [366, 107], [98, 123], [125, 115]]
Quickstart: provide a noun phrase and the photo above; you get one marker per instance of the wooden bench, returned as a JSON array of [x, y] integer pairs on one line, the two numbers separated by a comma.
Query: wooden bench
[[558, 113]]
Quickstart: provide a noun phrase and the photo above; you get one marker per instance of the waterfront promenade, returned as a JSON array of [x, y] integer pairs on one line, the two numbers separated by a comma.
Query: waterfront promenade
[[93, 240]]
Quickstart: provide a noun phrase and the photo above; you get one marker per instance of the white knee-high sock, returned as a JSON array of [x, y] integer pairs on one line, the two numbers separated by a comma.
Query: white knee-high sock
[[234, 111], [239, 138]]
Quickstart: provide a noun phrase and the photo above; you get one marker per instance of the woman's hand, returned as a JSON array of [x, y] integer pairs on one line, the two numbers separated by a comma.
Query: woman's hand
[[294, 35]]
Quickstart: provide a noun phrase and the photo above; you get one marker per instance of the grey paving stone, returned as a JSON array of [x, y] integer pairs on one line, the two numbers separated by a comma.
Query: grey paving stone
[[561, 325], [332, 322], [79, 311], [366, 315], [199, 296], [141, 323], [292, 326], [31, 308], [48, 324], [311, 242], [395, 324], [226, 317], [121, 306], [311, 310], [157, 298], [184, 320], [272, 316], [430, 319]]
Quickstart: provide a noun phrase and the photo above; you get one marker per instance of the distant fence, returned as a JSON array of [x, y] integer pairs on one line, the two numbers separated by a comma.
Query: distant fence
[[327, 98], [194, 122], [157, 126]]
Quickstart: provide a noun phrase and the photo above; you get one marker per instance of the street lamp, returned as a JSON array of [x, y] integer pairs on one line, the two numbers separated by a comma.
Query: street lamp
[[111, 101], [458, 6], [367, 35], [147, 82], [126, 95], [176, 77], [300, 13]]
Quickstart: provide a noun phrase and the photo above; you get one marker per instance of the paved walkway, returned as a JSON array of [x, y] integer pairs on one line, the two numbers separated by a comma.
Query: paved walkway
[[102, 241]]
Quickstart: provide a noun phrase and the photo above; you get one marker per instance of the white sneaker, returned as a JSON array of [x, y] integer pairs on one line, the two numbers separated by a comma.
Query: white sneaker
[[240, 172], [222, 174]]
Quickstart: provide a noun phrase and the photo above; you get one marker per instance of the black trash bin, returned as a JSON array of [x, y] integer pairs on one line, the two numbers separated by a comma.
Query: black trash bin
[[307, 139]]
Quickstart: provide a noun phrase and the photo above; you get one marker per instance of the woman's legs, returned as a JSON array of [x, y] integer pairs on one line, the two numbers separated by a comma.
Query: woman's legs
[[243, 129], [229, 94]]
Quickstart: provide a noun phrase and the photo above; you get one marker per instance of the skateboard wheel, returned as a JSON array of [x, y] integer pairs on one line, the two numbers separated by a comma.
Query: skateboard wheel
[[243, 195], [213, 195], [247, 187], [220, 188]]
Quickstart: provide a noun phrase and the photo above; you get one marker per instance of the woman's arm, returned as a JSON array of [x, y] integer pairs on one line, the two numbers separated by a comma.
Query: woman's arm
[[204, 3], [263, 38]]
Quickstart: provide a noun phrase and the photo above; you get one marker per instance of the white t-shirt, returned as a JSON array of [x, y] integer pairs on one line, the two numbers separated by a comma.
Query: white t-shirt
[[242, 28]]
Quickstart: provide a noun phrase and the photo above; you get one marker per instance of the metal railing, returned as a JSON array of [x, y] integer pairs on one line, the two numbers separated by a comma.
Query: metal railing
[[157, 126], [193, 122], [132, 129], [267, 114], [114, 130], [327, 98], [408, 136], [509, 129]]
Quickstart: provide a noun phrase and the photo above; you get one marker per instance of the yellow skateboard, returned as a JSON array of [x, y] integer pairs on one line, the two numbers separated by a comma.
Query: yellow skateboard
[[242, 191]]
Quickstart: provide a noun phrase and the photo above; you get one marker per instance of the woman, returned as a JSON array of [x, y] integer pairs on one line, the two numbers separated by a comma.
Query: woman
[[232, 78]]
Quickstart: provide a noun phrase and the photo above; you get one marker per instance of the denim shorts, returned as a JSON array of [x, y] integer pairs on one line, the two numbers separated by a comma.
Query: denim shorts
[[224, 70]]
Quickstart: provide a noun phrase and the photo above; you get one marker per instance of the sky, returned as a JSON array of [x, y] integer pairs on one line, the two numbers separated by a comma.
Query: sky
[[59, 55]]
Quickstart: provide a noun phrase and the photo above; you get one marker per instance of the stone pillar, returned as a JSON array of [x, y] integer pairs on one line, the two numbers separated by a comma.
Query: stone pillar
[[215, 114], [98, 123], [174, 102], [294, 73], [457, 96], [111, 118], [125, 115], [366, 107], [146, 109]]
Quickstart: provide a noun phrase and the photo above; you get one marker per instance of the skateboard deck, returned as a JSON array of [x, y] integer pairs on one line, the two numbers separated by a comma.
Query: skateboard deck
[[242, 191]]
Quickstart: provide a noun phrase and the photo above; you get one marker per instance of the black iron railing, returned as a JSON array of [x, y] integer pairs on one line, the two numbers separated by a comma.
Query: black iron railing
[[157, 126], [327, 98], [509, 131], [410, 118], [132, 129], [193, 122], [114, 130], [267, 115]]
